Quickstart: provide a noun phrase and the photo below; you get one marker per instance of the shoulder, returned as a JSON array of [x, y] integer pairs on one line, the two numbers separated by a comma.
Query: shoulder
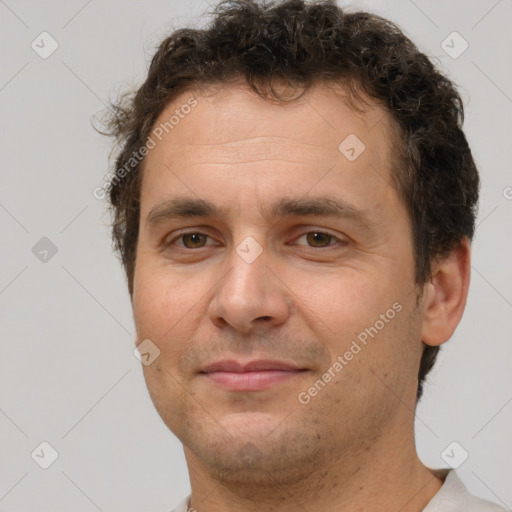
[[454, 497]]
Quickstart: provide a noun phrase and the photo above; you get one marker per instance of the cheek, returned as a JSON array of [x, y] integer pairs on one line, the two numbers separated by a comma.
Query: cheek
[[365, 320], [345, 300], [340, 301], [163, 302]]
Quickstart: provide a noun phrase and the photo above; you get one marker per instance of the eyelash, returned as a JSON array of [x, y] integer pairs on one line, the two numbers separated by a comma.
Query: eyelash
[[316, 231]]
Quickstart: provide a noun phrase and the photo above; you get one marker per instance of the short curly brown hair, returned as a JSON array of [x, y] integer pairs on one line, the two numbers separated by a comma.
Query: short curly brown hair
[[302, 44]]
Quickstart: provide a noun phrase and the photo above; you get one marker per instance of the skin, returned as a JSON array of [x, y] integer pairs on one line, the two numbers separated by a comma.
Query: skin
[[304, 300]]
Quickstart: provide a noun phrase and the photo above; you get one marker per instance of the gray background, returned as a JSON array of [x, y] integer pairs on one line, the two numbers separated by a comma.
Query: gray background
[[67, 372]]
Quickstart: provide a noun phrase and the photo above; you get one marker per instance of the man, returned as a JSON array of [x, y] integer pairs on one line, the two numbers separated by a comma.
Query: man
[[293, 204]]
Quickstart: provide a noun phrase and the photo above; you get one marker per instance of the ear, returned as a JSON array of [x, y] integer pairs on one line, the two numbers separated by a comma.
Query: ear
[[445, 295]]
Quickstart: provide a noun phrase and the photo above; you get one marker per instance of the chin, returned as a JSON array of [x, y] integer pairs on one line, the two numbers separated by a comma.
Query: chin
[[255, 449]]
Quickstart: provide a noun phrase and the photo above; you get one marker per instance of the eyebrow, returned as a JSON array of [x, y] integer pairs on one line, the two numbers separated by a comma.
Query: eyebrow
[[182, 208]]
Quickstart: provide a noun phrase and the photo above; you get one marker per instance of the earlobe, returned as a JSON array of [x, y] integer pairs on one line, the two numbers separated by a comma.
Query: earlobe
[[445, 295]]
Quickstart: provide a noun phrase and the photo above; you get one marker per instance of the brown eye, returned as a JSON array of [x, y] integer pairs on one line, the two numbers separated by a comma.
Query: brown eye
[[318, 239], [194, 240]]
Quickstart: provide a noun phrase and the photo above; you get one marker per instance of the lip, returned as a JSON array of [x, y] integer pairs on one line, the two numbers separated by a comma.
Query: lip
[[233, 366], [254, 375]]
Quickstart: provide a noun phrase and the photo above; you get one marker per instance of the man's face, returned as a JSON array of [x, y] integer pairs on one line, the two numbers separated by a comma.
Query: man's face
[[283, 292]]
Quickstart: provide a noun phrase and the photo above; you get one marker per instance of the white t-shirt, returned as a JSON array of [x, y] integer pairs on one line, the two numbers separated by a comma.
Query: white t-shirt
[[451, 497]]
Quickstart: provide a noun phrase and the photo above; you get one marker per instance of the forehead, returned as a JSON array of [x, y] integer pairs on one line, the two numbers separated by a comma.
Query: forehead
[[229, 118], [227, 135]]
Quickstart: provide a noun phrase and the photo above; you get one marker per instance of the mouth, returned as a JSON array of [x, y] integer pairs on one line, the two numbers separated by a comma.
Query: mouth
[[255, 375]]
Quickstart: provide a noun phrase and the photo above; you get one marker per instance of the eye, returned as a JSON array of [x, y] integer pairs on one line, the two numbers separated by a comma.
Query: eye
[[193, 240], [197, 240], [319, 239]]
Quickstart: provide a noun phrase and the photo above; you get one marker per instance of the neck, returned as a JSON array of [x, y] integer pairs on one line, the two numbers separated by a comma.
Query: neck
[[385, 475]]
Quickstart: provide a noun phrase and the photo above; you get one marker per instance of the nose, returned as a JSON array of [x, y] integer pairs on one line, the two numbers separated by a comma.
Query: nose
[[249, 296]]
